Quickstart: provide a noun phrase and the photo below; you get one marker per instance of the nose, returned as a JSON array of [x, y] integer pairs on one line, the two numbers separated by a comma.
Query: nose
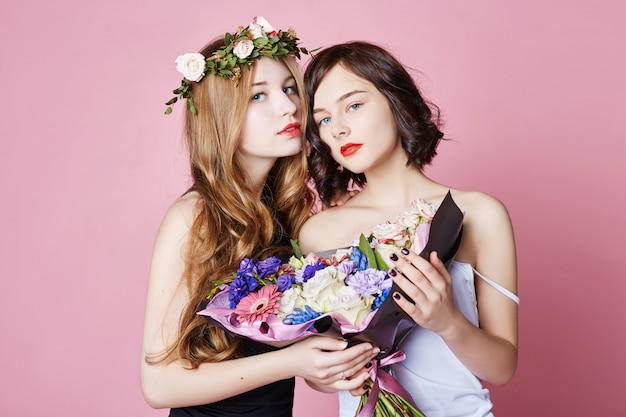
[[339, 129], [288, 104]]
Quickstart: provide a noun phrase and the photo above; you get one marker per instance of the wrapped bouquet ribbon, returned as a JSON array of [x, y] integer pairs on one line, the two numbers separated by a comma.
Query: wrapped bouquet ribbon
[[386, 393]]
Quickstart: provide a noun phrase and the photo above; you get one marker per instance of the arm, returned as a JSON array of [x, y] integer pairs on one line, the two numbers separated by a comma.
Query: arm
[[170, 384], [490, 351]]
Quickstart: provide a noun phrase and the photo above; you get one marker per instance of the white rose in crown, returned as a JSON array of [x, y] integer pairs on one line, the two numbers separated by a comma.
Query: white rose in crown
[[191, 65], [243, 49], [256, 31], [267, 28]]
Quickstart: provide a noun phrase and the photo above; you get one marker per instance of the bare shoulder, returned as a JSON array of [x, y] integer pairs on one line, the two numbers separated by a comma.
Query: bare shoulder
[[166, 299], [324, 230], [182, 212], [481, 208], [172, 236], [488, 241]]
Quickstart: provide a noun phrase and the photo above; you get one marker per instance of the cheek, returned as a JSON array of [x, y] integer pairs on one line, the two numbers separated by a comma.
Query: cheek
[[254, 116], [325, 137]]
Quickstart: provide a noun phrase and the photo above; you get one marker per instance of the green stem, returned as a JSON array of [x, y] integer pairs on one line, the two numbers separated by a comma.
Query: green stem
[[406, 406]]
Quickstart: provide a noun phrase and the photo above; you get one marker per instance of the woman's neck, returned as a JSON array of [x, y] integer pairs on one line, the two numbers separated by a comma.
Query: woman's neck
[[257, 176], [396, 188], [394, 184]]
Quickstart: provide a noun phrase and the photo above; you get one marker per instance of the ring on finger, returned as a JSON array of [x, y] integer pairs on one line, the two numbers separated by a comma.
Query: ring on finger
[[343, 375]]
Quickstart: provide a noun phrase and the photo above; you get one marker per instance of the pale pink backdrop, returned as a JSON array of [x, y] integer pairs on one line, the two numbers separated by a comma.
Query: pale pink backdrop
[[533, 96]]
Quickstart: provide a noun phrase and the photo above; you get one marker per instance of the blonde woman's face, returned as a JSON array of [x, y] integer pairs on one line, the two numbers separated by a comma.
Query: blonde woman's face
[[271, 126]]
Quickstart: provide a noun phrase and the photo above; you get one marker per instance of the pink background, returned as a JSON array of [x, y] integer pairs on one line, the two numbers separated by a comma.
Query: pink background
[[533, 96]]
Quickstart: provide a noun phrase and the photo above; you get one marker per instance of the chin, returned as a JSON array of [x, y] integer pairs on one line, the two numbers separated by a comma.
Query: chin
[[293, 151]]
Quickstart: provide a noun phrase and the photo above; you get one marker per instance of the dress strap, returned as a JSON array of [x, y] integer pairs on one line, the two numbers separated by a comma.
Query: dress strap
[[498, 287]]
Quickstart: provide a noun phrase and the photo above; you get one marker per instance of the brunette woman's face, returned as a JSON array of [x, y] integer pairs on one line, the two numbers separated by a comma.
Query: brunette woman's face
[[355, 120], [271, 127]]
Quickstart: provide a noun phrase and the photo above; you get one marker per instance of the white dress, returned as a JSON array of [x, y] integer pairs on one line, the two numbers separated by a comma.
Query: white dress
[[438, 382]]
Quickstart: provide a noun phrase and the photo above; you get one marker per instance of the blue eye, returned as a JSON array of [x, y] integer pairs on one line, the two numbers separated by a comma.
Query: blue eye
[[324, 121], [258, 97], [290, 90], [355, 106]]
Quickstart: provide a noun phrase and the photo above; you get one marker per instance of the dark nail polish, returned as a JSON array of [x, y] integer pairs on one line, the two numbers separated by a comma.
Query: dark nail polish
[[368, 365], [366, 386], [393, 273], [393, 257], [396, 296], [405, 251]]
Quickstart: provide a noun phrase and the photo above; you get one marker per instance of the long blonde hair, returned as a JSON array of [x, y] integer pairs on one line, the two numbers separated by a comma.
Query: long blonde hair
[[231, 222]]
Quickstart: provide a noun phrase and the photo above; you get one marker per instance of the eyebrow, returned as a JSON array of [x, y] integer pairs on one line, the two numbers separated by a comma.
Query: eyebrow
[[341, 98], [287, 79]]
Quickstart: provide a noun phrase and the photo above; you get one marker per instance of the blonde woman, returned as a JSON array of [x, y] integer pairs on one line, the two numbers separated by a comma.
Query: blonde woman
[[243, 126]]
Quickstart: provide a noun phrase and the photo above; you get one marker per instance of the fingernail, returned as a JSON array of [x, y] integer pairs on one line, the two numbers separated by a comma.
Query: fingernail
[[396, 296], [366, 386], [368, 365], [393, 257], [393, 273], [405, 251], [376, 350]]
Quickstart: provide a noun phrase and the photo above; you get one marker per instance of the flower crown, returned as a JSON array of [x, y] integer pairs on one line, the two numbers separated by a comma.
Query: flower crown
[[258, 39]]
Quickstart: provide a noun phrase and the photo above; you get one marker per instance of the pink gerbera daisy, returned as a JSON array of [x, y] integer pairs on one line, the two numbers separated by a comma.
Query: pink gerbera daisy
[[256, 306]]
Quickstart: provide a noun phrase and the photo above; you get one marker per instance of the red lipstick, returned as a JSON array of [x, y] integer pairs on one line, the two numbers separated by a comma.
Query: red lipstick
[[292, 129], [350, 148]]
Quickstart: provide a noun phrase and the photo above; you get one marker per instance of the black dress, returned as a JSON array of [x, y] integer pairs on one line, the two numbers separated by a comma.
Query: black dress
[[272, 400]]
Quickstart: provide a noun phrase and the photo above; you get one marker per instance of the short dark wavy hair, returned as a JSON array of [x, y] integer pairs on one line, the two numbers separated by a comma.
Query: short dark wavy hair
[[417, 121]]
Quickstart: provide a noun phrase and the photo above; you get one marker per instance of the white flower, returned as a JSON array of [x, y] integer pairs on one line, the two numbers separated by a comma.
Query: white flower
[[425, 208], [351, 305], [256, 31], [408, 219], [290, 300], [320, 290], [390, 232], [191, 65], [267, 28], [243, 49]]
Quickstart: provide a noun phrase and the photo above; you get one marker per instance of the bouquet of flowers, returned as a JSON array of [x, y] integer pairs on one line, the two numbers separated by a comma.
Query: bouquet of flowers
[[342, 292]]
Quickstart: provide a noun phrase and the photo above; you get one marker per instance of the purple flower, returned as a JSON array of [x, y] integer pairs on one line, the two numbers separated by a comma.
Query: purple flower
[[241, 287], [268, 266], [285, 281], [368, 282], [247, 267], [347, 267], [359, 257], [308, 271]]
